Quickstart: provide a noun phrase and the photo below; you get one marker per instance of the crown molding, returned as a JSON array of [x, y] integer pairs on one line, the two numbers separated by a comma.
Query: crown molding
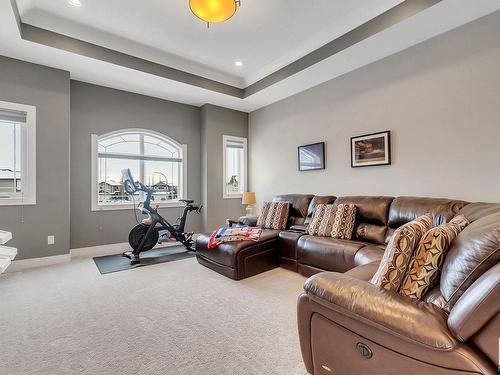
[[370, 28]]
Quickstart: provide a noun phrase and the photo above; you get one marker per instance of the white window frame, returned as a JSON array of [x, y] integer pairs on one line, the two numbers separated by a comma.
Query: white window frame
[[28, 158], [225, 140], [95, 206]]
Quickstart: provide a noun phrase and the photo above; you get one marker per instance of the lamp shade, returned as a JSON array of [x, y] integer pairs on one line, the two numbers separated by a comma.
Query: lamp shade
[[248, 198], [213, 10]]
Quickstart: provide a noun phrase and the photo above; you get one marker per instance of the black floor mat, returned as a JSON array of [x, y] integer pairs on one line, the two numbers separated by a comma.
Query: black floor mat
[[115, 263]]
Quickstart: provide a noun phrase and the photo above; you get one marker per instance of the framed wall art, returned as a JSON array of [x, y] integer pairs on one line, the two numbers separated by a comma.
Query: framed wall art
[[371, 149]]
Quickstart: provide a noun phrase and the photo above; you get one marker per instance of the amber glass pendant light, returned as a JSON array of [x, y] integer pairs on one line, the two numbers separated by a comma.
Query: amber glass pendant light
[[213, 11]]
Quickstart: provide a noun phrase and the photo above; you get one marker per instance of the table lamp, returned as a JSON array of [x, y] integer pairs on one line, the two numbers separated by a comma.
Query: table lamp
[[248, 199]]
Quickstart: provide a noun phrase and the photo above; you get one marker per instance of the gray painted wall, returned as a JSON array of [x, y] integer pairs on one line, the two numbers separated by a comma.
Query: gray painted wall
[[48, 89], [441, 101], [98, 110], [216, 122]]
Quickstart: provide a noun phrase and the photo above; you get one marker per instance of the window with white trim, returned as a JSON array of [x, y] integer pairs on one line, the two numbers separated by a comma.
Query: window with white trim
[[234, 155], [17, 154], [154, 159]]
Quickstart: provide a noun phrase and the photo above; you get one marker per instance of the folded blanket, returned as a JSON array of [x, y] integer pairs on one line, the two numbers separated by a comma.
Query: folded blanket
[[229, 234]]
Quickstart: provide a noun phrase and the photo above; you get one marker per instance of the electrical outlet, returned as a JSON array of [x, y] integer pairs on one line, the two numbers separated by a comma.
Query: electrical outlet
[[51, 240]]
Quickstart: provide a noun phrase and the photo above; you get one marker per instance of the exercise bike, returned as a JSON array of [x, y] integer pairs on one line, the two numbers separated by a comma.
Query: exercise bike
[[155, 229]]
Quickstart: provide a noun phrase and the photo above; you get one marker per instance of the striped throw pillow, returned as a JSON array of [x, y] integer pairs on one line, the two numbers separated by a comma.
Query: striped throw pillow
[[322, 220], [274, 215], [261, 220]]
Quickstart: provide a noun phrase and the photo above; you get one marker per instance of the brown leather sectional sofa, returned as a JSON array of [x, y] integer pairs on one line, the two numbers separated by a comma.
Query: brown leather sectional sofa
[[349, 326]]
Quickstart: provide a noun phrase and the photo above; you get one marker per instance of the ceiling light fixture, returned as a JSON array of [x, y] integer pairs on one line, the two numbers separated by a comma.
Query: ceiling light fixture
[[238, 63], [212, 11], [75, 3]]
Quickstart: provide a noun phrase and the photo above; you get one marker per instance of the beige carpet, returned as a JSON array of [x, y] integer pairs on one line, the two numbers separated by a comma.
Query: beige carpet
[[171, 318]]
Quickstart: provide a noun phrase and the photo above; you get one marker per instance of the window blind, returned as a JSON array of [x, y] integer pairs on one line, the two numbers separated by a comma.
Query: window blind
[[12, 116]]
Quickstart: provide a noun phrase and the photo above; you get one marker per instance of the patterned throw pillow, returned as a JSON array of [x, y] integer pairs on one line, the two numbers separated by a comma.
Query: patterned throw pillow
[[313, 227], [343, 225], [428, 258], [274, 215], [263, 214], [398, 253], [322, 220]]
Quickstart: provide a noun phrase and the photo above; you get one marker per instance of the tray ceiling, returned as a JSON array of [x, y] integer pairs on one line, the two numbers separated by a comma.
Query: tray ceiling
[[159, 48]]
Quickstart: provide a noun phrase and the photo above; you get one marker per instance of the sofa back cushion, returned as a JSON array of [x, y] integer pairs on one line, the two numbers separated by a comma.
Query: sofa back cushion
[[475, 250], [406, 209], [317, 199], [371, 217], [299, 204]]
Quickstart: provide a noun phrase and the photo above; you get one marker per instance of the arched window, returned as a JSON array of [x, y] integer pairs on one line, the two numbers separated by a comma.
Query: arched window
[[153, 158]]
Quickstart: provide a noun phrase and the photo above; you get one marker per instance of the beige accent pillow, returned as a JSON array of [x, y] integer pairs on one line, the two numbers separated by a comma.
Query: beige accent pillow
[[343, 225], [427, 260], [322, 220], [274, 215], [398, 253]]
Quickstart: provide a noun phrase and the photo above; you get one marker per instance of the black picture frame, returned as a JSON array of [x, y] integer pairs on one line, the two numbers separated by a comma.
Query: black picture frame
[[313, 149], [381, 155]]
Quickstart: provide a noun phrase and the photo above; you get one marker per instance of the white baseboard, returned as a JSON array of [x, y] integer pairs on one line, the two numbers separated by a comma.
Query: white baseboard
[[115, 248], [84, 252], [24, 264]]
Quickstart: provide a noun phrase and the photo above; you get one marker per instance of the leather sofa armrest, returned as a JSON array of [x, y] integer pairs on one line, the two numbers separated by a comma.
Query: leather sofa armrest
[[364, 272], [368, 254], [251, 221], [479, 304], [414, 321], [298, 228]]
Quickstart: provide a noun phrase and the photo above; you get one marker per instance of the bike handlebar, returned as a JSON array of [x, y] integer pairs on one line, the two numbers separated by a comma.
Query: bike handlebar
[[132, 187]]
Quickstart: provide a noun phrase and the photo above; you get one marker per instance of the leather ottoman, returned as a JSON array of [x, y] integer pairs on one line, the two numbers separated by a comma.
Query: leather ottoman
[[239, 260]]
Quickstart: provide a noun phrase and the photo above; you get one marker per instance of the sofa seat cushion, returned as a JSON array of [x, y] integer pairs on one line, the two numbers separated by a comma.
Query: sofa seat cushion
[[328, 253], [227, 253]]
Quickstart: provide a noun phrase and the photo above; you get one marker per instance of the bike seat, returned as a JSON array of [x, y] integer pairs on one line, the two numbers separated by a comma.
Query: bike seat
[[187, 201]]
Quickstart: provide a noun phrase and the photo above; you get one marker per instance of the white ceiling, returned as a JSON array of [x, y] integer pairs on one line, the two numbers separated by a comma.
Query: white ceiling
[[264, 35]]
